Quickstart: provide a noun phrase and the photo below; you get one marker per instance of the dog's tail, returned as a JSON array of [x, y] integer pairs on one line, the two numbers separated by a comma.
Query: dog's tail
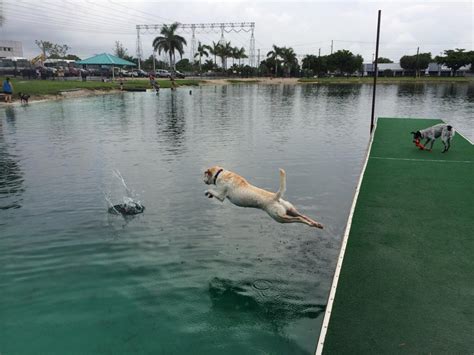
[[282, 189]]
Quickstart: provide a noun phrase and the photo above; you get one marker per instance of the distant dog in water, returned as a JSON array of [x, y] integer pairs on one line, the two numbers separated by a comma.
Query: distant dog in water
[[445, 131], [23, 97], [243, 194]]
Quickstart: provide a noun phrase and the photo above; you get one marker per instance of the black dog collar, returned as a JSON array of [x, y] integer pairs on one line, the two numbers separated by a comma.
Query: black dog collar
[[217, 174]]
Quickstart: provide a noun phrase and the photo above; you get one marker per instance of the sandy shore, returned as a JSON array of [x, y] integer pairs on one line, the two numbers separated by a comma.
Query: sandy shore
[[63, 95]]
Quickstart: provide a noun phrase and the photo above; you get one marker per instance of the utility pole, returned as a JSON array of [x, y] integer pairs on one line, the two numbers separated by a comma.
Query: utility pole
[[139, 48], [258, 63], [332, 43], [416, 65], [319, 52], [193, 44], [252, 45], [375, 71]]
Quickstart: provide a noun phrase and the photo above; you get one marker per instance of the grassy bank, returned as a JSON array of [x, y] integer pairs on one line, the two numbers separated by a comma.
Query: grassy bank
[[386, 80], [54, 87]]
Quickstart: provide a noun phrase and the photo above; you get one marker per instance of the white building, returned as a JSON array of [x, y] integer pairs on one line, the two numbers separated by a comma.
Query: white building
[[9, 49], [394, 69]]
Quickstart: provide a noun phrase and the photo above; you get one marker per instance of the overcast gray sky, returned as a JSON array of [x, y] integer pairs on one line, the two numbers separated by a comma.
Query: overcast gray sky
[[92, 26]]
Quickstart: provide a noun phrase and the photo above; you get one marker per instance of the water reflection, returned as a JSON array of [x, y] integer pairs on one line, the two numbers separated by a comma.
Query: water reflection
[[261, 300], [171, 124], [411, 89], [11, 175], [342, 91], [10, 115]]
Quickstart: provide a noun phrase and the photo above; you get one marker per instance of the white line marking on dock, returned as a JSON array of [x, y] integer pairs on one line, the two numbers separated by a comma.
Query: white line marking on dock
[[428, 160], [332, 292]]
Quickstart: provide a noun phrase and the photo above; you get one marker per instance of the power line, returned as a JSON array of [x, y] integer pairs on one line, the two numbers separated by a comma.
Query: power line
[[69, 14], [149, 17], [54, 14], [68, 28]]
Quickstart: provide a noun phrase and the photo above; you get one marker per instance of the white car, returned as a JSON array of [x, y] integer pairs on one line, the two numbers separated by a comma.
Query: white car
[[161, 73]]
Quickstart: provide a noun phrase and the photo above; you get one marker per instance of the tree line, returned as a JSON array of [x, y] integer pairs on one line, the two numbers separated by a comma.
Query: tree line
[[279, 61], [452, 59]]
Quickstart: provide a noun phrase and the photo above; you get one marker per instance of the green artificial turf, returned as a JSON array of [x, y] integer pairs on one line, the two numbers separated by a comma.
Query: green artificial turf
[[407, 280]]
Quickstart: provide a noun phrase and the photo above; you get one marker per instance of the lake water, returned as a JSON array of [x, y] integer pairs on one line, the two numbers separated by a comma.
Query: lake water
[[190, 275]]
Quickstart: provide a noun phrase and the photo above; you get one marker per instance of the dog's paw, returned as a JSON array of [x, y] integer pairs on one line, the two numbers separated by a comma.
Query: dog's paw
[[208, 194], [318, 225]]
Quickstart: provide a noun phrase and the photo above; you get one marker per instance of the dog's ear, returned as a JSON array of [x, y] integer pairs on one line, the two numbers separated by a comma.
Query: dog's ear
[[412, 132]]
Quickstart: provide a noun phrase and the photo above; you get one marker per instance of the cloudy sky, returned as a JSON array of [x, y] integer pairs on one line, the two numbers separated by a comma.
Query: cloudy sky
[[92, 26]]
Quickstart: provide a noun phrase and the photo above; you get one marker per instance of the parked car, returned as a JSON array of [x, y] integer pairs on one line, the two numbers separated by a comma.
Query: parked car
[[139, 73], [178, 74], [161, 73]]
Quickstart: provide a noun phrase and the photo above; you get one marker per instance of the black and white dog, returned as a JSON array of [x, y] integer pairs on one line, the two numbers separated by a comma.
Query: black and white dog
[[23, 97], [445, 131]]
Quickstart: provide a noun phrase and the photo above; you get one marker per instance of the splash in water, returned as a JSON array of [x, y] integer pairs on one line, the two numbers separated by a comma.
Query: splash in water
[[129, 206]]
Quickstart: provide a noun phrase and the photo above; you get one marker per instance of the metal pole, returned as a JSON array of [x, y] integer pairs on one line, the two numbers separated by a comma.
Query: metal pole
[[139, 48], [416, 65], [193, 44], [375, 72], [252, 47], [332, 43]]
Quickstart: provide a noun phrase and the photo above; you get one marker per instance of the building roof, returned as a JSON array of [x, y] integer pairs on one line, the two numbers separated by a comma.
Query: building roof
[[383, 66], [106, 59]]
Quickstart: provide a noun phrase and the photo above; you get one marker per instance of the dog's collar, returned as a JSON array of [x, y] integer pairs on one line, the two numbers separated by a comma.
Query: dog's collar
[[217, 174]]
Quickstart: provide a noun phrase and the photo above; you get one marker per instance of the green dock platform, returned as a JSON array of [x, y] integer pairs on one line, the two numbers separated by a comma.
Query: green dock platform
[[404, 282]]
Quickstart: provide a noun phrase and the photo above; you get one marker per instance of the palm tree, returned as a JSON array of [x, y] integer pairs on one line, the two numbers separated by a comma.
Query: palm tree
[[170, 42], [225, 51], [214, 50], [275, 55], [289, 59], [234, 54], [241, 54], [201, 51]]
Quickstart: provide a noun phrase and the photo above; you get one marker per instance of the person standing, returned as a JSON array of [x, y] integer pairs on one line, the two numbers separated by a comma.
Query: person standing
[[173, 84], [8, 90]]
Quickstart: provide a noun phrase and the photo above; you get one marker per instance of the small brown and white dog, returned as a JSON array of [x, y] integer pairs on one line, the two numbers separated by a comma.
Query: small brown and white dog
[[243, 194]]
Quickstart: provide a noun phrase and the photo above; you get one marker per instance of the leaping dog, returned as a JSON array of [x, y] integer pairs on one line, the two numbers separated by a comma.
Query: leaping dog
[[243, 194]]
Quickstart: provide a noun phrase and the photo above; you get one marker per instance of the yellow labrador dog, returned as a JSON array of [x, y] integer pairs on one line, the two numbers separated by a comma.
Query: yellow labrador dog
[[241, 193]]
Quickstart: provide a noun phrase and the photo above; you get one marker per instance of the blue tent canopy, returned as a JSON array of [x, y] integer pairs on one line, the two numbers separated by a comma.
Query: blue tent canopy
[[106, 59]]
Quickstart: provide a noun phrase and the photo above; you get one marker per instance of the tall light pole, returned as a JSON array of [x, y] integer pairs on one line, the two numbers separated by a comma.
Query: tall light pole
[[375, 72]]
